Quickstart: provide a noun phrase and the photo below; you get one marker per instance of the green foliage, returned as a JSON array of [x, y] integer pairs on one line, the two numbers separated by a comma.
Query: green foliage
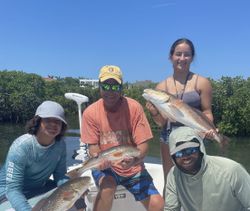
[[21, 93], [231, 105], [135, 91]]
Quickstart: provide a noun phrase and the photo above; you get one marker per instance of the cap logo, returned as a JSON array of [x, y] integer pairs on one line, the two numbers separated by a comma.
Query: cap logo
[[111, 69]]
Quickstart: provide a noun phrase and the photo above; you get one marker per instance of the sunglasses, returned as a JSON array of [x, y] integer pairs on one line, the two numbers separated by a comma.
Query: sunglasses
[[186, 152], [111, 87]]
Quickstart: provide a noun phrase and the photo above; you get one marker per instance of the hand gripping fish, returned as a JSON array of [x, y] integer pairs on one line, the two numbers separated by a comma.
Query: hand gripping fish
[[64, 197], [113, 154], [175, 109]]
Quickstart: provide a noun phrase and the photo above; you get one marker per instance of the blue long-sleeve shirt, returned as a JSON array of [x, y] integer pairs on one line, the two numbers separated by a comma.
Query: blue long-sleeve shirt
[[28, 166]]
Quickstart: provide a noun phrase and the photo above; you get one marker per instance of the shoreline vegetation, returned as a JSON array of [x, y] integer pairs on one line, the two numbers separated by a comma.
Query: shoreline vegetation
[[21, 93]]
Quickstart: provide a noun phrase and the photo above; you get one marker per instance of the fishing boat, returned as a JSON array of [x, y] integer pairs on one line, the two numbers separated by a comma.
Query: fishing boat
[[123, 199]]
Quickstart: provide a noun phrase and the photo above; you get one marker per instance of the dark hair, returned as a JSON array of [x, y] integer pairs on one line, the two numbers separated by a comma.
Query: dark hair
[[180, 41], [33, 125]]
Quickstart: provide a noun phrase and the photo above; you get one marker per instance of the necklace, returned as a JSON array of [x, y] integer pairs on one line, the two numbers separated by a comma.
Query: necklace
[[184, 87]]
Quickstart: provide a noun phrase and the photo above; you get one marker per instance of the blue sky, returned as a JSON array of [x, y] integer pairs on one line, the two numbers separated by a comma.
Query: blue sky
[[74, 38]]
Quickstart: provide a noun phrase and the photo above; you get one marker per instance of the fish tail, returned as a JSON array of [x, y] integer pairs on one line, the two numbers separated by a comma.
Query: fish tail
[[223, 143], [71, 174], [76, 173], [218, 138]]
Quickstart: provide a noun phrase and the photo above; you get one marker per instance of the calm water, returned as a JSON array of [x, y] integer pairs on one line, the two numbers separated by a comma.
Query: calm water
[[8, 133], [238, 149]]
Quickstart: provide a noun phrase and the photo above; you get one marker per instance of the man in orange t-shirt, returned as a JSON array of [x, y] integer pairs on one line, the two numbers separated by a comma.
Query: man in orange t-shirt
[[117, 120]]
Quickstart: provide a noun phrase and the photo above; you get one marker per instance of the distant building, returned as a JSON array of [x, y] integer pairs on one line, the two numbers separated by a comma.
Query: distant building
[[50, 78], [89, 82]]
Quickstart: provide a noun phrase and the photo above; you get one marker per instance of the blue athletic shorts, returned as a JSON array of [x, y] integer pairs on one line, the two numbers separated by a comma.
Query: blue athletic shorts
[[140, 185]]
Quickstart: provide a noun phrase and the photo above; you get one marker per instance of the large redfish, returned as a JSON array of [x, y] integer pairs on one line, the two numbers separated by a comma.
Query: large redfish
[[113, 154], [64, 197], [176, 110]]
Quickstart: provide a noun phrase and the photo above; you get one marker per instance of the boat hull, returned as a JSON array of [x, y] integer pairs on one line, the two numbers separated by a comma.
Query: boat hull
[[123, 199]]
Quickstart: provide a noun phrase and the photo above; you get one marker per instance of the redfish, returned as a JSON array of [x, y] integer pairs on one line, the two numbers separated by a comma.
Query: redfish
[[64, 196], [113, 154], [175, 109]]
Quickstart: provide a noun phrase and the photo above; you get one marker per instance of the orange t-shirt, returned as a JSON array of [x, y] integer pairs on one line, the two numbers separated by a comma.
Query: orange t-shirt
[[127, 126]]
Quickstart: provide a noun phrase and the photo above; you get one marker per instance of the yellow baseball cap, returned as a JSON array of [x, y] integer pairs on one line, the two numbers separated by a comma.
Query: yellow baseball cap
[[110, 71]]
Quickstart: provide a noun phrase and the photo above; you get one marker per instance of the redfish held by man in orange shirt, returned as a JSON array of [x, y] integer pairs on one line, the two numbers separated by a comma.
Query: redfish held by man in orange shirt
[[113, 155]]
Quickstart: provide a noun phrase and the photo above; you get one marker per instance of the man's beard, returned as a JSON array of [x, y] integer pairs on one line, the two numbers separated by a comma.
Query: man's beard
[[196, 166]]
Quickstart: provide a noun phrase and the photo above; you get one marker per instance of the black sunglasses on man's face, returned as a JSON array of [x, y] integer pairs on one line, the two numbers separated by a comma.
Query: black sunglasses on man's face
[[186, 152]]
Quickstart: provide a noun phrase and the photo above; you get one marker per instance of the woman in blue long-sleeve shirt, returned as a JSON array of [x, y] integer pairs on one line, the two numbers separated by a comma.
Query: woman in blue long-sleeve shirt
[[34, 157]]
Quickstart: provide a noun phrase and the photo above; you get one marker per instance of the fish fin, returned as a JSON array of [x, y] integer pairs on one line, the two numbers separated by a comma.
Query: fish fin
[[39, 205], [77, 172], [224, 143], [222, 140], [167, 116], [171, 119], [174, 112], [72, 174]]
